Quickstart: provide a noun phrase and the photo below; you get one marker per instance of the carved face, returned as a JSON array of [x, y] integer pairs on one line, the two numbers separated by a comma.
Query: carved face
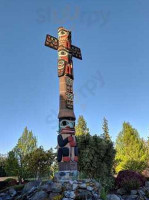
[[64, 55], [61, 67], [63, 34], [65, 123]]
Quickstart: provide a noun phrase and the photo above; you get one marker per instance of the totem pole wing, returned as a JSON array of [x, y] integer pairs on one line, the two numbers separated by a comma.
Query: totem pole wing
[[76, 52], [51, 42]]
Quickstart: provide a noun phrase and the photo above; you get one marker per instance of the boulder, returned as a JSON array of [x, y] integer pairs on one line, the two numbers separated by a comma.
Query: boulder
[[56, 187], [83, 194], [121, 191], [134, 192], [30, 185], [132, 197], [82, 185], [47, 187], [147, 184], [41, 195], [69, 194], [74, 186], [89, 188], [113, 197], [12, 192]]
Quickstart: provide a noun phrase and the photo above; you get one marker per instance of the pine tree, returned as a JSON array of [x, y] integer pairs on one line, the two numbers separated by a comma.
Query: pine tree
[[81, 127], [12, 166], [131, 150], [105, 128]]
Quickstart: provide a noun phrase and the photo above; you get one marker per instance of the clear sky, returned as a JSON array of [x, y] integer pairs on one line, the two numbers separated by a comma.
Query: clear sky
[[112, 80]]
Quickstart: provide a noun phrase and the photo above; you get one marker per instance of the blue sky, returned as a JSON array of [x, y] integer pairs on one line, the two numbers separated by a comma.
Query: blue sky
[[111, 80]]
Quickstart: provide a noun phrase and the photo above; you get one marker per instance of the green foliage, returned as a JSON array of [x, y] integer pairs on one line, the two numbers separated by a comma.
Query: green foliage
[[105, 128], [81, 127], [58, 197], [53, 168], [96, 156], [39, 162], [103, 194], [27, 143], [2, 165], [11, 165], [131, 150]]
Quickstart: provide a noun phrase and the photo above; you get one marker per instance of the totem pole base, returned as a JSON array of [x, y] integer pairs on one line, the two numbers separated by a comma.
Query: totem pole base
[[63, 176], [67, 166]]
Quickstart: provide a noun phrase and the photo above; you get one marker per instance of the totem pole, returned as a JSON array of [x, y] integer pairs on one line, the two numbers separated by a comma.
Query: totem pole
[[67, 154]]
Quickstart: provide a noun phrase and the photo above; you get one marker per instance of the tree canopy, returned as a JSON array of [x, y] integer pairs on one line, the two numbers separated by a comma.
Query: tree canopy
[[131, 150], [81, 127], [105, 129]]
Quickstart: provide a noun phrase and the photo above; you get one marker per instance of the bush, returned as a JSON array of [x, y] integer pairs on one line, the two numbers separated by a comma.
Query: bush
[[129, 180], [96, 156], [10, 181], [7, 183]]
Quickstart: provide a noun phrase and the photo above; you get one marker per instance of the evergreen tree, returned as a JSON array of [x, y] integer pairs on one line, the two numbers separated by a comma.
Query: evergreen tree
[[105, 128], [96, 158], [39, 162], [81, 127], [12, 166], [2, 165], [131, 150]]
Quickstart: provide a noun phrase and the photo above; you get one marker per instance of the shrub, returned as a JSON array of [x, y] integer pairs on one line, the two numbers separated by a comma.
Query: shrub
[[129, 180], [103, 194], [10, 181], [96, 156]]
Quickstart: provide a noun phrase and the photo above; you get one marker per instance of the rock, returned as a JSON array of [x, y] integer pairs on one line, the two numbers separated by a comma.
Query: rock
[[141, 192], [68, 186], [74, 186], [147, 184], [97, 184], [7, 197], [69, 194], [83, 194], [133, 192], [96, 196], [30, 185], [47, 187], [82, 186], [89, 188], [56, 187], [2, 194], [112, 197], [66, 175], [66, 199], [131, 197], [12, 192], [121, 191], [41, 195]]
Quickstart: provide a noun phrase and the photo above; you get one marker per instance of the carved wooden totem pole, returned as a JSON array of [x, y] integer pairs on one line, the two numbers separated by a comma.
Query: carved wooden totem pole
[[67, 154]]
